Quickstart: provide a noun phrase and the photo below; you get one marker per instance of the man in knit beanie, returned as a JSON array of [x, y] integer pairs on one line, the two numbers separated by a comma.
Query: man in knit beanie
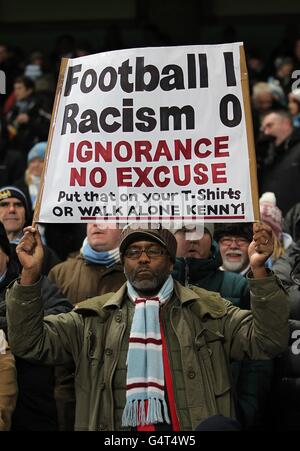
[[15, 215], [14, 212]]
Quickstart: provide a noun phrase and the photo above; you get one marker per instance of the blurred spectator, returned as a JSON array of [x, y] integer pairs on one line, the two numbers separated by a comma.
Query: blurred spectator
[[11, 69], [255, 65], [64, 48], [11, 162], [65, 238], [35, 160], [291, 223], [27, 121], [284, 68], [37, 71], [280, 168], [95, 270], [267, 97], [296, 53], [270, 214]]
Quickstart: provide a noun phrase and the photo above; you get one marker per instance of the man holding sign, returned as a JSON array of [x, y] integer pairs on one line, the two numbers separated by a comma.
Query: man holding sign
[[155, 354]]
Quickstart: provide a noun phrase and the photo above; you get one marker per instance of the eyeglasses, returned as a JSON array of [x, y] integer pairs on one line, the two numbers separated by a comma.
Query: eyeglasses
[[152, 252], [227, 241]]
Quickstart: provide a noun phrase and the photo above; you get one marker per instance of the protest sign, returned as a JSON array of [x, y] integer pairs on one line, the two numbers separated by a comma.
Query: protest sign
[[153, 134]]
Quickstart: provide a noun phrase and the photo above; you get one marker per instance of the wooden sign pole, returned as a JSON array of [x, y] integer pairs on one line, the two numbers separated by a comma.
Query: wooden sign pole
[[60, 81]]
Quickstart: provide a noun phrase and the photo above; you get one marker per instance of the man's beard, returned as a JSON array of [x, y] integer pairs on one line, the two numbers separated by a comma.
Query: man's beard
[[147, 286], [236, 266]]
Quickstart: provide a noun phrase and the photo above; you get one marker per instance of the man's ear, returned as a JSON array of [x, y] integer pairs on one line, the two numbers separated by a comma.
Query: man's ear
[[171, 265]]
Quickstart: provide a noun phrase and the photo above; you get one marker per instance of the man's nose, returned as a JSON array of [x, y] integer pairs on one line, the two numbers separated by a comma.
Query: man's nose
[[144, 257], [11, 208]]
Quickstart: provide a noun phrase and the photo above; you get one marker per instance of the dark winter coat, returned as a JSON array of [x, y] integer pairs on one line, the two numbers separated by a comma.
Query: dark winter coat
[[281, 173]]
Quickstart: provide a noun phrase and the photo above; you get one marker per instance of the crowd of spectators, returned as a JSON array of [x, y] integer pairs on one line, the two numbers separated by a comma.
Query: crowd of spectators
[[90, 264]]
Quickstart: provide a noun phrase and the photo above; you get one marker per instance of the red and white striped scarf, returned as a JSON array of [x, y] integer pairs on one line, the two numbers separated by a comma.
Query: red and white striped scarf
[[145, 387]]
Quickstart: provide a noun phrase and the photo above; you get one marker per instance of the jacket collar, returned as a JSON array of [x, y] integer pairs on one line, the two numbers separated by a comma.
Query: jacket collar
[[202, 302]]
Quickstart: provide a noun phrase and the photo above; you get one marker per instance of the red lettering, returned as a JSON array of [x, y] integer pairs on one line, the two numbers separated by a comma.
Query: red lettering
[[161, 183], [187, 175], [78, 176], [124, 177], [221, 142], [104, 152], [200, 170], [142, 176], [181, 150], [217, 171], [103, 177], [128, 149], [206, 142], [143, 148], [162, 150], [71, 153], [82, 155]]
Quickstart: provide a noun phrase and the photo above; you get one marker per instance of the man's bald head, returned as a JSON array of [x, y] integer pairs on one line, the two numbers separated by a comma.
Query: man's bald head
[[277, 124]]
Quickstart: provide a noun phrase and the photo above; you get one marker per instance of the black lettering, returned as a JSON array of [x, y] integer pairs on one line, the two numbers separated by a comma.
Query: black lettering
[[203, 70], [127, 115], [229, 67], [125, 70], [172, 81], [109, 128], [176, 113], [236, 111], [191, 61], [144, 114], [108, 72], [84, 86], [141, 71], [89, 122], [70, 113], [71, 80]]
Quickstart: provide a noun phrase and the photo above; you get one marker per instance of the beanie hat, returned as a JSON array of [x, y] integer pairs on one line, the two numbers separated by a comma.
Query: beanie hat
[[244, 230], [270, 213], [37, 151], [130, 234], [12, 191], [4, 243]]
